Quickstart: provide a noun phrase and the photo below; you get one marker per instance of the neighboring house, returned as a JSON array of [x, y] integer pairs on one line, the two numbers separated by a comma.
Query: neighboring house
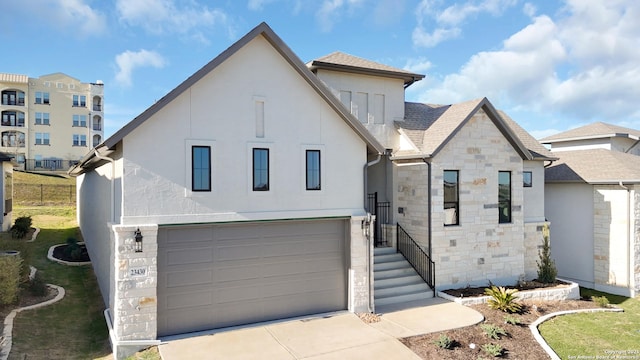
[[253, 208], [6, 190], [50, 122], [593, 202], [445, 171]]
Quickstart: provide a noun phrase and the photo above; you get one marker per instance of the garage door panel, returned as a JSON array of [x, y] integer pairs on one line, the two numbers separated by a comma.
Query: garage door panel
[[212, 276]]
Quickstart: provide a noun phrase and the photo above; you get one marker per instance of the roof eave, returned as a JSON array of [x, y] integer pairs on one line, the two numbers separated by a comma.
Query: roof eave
[[408, 78]]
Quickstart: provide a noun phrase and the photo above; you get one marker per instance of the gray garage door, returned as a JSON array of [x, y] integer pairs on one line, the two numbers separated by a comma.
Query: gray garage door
[[212, 276]]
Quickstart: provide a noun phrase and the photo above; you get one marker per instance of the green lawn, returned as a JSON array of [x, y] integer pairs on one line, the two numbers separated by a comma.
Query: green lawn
[[73, 328], [597, 334]]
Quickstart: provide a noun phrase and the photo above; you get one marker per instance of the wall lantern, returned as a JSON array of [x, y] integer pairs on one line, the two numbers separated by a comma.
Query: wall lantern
[[138, 243]]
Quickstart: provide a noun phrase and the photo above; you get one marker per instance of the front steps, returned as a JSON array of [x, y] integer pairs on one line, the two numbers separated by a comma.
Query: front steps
[[395, 280]]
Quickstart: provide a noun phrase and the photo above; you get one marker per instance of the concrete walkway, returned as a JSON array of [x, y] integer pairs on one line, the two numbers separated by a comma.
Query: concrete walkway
[[337, 336]]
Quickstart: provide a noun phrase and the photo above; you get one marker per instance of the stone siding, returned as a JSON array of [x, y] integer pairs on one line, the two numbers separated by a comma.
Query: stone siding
[[361, 261], [135, 301], [479, 249], [636, 237], [533, 238]]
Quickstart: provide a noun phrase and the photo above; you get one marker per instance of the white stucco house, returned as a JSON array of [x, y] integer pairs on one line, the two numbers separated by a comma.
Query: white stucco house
[[243, 195], [593, 201]]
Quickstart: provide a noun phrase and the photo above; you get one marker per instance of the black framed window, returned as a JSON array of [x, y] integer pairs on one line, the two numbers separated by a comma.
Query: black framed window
[[451, 197], [313, 169], [201, 168], [527, 179], [260, 169], [504, 197]]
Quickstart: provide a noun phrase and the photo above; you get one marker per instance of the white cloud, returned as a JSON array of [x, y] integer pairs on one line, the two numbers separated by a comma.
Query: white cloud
[[74, 15], [166, 16], [582, 63], [130, 60], [450, 19], [332, 10]]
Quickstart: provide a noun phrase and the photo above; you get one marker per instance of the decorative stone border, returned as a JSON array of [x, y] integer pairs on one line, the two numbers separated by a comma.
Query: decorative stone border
[[6, 338], [570, 292], [536, 333], [70, 263], [35, 235]]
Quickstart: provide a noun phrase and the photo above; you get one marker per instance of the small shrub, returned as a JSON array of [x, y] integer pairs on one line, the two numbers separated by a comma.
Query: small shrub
[[547, 270], [37, 286], [493, 332], [494, 350], [21, 227], [503, 299], [445, 342], [512, 320], [602, 301], [9, 278]]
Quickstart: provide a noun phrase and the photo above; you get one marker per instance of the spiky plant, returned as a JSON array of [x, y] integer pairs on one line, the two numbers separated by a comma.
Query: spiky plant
[[503, 299]]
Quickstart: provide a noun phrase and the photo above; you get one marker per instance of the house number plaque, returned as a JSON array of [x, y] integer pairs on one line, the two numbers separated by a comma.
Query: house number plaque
[[138, 271]]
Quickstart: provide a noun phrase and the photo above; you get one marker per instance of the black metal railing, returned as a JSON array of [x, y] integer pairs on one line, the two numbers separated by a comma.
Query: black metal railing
[[417, 257], [48, 164], [381, 210]]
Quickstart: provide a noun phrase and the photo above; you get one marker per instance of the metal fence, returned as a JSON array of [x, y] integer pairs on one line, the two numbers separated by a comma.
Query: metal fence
[[43, 194], [382, 212]]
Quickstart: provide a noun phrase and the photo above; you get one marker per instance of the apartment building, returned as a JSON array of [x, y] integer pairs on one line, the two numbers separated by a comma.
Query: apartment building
[[49, 123]]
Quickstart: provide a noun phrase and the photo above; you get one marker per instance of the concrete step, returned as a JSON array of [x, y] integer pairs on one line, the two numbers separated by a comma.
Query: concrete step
[[401, 290], [408, 278], [384, 250], [390, 265], [393, 273], [387, 300], [377, 259]]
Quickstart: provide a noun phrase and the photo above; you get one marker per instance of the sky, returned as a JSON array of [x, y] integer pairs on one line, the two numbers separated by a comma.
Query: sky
[[551, 65]]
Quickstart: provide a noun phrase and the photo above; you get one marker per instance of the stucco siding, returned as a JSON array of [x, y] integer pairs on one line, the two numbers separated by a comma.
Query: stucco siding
[[219, 111], [534, 195]]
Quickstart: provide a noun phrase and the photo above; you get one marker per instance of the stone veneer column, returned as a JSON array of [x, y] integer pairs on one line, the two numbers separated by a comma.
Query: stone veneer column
[[136, 276], [361, 259], [636, 239]]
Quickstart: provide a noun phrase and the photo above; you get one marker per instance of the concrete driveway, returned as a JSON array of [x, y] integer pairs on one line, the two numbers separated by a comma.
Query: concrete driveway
[[336, 336]]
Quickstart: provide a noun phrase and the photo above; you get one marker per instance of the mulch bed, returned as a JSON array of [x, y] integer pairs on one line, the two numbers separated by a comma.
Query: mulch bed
[[519, 344], [521, 286], [61, 253], [25, 298]]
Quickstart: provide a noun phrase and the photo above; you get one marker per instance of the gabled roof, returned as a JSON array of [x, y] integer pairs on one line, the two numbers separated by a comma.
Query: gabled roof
[[593, 131], [261, 30], [340, 61], [594, 166], [431, 127]]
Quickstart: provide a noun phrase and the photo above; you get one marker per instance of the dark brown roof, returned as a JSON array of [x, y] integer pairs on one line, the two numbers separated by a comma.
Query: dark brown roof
[[593, 131], [594, 166], [430, 127], [340, 61]]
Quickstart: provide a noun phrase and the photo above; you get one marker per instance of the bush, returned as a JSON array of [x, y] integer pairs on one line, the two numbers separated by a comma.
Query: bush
[[503, 299], [37, 286], [73, 250], [602, 301], [9, 278], [21, 227], [494, 350], [445, 342], [493, 332], [547, 271], [511, 320]]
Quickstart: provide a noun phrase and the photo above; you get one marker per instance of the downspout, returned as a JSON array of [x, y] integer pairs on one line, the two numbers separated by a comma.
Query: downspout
[[429, 210], [629, 249], [370, 308], [113, 187]]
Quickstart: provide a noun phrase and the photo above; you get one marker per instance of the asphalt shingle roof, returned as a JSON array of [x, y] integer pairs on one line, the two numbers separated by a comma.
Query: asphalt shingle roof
[[594, 166], [595, 130], [428, 127]]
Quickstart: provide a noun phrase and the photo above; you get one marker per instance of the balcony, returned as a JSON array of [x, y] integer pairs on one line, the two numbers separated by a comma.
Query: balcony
[[97, 127], [97, 107], [13, 98]]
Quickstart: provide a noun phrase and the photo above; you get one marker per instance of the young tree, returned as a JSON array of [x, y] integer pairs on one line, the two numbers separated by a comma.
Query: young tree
[[547, 271]]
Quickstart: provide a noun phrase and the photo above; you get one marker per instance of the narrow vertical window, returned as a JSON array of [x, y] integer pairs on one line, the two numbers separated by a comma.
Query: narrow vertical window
[[260, 169], [45, 98], [504, 197], [201, 168], [313, 169], [527, 179], [451, 198]]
